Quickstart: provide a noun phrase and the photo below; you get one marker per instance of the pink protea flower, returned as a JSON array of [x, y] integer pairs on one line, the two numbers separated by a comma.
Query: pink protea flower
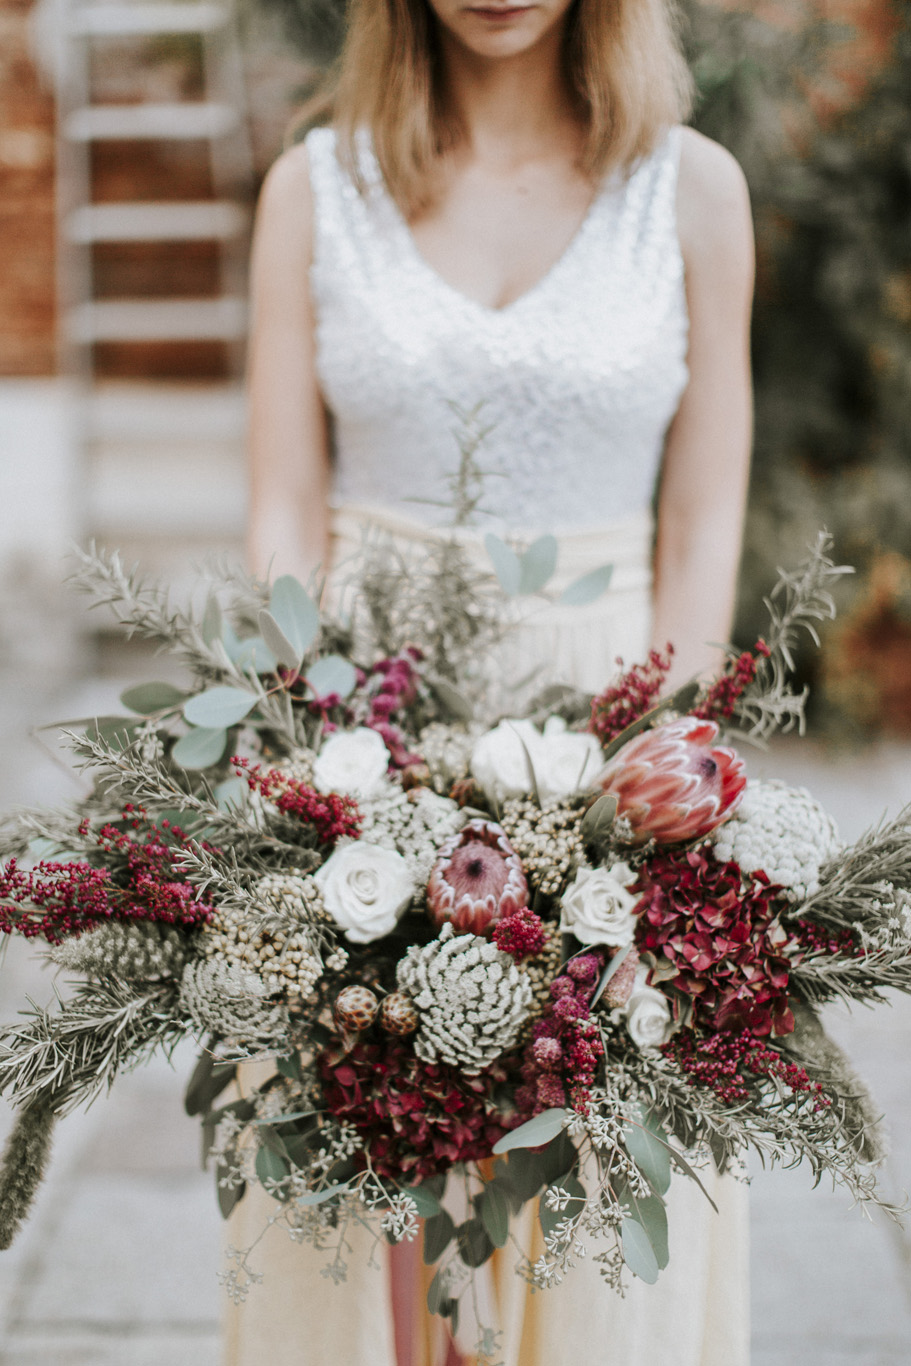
[[673, 783], [476, 880]]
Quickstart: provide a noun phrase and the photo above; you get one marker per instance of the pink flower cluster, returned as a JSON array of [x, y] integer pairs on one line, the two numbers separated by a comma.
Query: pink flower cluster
[[634, 693], [562, 1058], [729, 950], [332, 816], [416, 1118], [520, 934], [392, 687], [721, 698], [139, 882], [719, 1061]]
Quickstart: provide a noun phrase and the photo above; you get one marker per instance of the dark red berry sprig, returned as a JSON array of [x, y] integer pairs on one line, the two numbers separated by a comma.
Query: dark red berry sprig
[[628, 700], [723, 695], [332, 815], [727, 1063]]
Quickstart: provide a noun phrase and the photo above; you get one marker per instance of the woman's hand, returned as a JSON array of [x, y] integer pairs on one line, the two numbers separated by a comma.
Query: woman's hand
[[706, 463], [288, 521]]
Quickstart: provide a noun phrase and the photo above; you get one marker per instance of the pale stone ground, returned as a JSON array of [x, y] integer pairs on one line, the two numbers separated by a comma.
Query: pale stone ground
[[117, 1267]]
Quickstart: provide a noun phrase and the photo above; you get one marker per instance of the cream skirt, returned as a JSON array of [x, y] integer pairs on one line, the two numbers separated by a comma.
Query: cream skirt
[[698, 1312]]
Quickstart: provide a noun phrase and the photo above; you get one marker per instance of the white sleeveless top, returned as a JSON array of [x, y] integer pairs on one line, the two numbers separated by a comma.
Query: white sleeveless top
[[578, 378]]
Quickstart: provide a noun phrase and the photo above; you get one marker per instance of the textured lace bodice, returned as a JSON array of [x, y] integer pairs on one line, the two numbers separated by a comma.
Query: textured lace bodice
[[578, 378]]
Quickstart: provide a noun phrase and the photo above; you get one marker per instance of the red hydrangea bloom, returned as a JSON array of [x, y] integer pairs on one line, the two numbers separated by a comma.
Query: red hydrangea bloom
[[627, 700], [416, 1118], [673, 783], [565, 1049], [333, 816], [730, 954]]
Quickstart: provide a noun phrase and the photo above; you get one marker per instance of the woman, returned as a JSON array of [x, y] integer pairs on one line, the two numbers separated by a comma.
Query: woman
[[504, 212]]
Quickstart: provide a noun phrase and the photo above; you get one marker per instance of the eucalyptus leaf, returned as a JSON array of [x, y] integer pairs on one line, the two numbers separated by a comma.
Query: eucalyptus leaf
[[147, 698], [116, 731], [230, 795], [534, 1132], [525, 1171], [638, 1252], [295, 612], [454, 702], [652, 1215], [598, 821], [275, 638], [438, 1234], [285, 1119], [212, 620], [219, 707], [493, 1211], [200, 747], [320, 1197], [647, 1145], [274, 1143], [538, 564], [436, 1293], [588, 588], [271, 1166], [253, 653], [428, 1205], [228, 1196], [506, 563], [475, 1246], [208, 1081], [332, 674], [290, 1066]]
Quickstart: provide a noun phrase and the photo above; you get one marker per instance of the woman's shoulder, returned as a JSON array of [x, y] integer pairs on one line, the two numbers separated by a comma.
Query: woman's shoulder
[[713, 201]]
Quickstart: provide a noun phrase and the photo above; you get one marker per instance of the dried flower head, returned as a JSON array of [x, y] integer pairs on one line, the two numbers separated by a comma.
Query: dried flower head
[[476, 879]]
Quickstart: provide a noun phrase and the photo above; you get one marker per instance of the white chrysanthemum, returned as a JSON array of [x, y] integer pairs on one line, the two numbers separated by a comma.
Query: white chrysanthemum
[[472, 998], [782, 831], [234, 1004]]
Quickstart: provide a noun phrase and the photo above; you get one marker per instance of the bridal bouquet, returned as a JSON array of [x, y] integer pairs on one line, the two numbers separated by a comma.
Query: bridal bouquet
[[441, 964]]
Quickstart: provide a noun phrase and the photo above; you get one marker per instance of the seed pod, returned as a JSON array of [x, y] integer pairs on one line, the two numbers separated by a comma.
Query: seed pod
[[355, 1009], [398, 1014]]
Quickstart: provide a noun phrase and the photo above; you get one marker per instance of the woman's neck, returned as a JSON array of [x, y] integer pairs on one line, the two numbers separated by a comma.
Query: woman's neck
[[511, 110]]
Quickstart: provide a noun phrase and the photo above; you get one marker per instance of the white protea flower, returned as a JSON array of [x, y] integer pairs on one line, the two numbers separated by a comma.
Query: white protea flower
[[472, 999], [782, 831], [232, 1003]]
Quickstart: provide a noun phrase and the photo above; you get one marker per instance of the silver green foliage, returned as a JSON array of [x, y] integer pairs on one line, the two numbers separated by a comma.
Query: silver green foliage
[[136, 952], [25, 1159]]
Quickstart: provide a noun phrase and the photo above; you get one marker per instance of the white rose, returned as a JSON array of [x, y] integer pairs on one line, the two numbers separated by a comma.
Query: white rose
[[351, 761], [365, 889], [499, 760], [648, 1015], [598, 907], [569, 762]]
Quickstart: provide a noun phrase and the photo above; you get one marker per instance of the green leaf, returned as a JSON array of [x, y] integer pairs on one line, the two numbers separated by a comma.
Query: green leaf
[[475, 1246], [228, 1197], [278, 642], [332, 674], [295, 613], [426, 1201], [454, 702], [525, 1171], [538, 564], [275, 1120], [613, 966], [588, 588], [436, 1293], [493, 1211], [638, 1252], [212, 620], [116, 731], [200, 747], [230, 794], [219, 707], [598, 821], [270, 1166], [534, 1132], [652, 1215], [320, 1197], [647, 1145], [208, 1081], [290, 1066], [558, 1159], [147, 698], [438, 1234], [506, 563], [253, 653]]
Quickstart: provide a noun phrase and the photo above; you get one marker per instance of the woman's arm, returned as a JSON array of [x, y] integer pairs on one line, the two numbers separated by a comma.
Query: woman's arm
[[706, 464], [288, 525]]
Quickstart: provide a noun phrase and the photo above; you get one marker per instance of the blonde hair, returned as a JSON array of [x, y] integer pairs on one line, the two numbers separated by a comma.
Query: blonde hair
[[622, 63]]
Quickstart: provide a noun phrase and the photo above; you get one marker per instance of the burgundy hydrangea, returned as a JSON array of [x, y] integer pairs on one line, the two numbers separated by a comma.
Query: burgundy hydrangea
[[333, 816], [562, 1058], [634, 693], [726, 1063], [722, 936], [416, 1118], [476, 880], [138, 881]]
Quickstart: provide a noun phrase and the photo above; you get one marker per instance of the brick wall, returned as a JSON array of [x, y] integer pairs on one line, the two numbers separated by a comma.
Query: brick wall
[[27, 289]]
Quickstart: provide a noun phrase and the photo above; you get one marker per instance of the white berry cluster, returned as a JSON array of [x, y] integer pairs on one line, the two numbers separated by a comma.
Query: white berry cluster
[[548, 840], [233, 1003], [472, 999], [413, 823], [446, 751], [259, 936], [784, 832]]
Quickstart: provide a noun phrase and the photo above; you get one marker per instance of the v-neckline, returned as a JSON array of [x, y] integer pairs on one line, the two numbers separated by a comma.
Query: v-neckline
[[489, 311]]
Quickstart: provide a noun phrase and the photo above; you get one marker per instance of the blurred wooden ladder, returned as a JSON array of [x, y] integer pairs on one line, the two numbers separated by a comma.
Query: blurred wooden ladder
[[218, 120]]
